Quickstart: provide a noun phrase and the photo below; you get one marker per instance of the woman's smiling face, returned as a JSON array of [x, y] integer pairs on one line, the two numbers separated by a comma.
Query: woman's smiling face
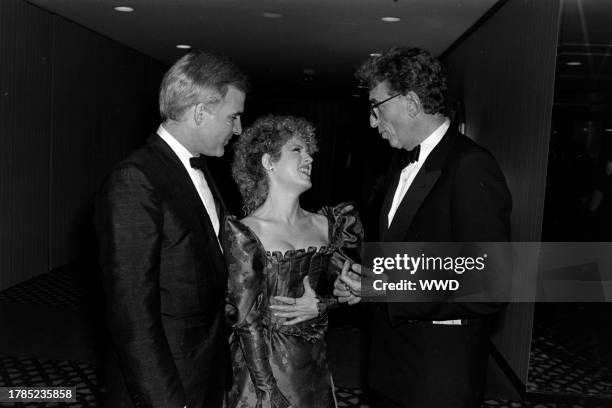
[[294, 166]]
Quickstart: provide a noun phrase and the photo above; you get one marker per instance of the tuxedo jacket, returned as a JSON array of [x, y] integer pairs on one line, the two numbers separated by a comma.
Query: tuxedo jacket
[[458, 195], [164, 279]]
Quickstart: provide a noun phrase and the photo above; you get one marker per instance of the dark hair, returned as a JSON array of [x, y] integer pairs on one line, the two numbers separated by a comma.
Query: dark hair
[[267, 135], [197, 77], [408, 69]]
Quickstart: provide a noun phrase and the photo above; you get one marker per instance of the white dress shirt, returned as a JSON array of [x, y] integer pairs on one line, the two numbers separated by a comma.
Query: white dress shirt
[[410, 171], [407, 177], [197, 177]]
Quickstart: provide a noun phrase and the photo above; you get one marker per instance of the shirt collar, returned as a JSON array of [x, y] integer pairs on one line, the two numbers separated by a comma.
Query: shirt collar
[[432, 141], [183, 154]]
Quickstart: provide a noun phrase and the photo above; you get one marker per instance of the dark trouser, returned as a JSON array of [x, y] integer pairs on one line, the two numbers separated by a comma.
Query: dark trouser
[[425, 365]]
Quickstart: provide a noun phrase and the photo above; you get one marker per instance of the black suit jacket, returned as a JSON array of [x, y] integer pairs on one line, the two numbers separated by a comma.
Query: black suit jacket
[[165, 280], [459, 195]]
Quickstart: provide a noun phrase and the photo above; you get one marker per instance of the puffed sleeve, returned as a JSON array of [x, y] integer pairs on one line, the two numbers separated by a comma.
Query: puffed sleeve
[[346, 235], [246, 302]]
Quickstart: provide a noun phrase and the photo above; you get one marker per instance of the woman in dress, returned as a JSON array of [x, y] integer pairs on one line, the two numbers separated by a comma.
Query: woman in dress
[[275, 256]]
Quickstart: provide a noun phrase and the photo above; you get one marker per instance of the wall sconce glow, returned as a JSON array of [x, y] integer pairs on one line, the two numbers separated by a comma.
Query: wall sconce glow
[[268, 14], [124, 9], [390, 19], [573, 63], [183, 46]]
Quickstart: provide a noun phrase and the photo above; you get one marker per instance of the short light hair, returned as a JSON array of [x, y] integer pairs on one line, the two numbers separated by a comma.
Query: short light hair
[[197, 77], [408, 69], [267, 135]]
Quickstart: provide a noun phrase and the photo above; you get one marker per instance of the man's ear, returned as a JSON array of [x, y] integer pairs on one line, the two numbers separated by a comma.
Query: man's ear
[[413, 104], [200, 114], [266, 162]]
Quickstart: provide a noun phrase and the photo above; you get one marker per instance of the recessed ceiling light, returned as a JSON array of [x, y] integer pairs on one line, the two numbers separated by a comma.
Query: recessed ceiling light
[[573, 63], [183, 46], [391, 19], [124, 9], [268, 14]]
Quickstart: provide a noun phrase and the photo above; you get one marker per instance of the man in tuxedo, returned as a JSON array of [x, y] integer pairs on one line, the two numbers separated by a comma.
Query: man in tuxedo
[[158, 217], [442, 187]]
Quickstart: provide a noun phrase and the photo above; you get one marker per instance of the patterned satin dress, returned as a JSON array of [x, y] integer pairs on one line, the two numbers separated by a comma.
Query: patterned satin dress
[[276, 366]]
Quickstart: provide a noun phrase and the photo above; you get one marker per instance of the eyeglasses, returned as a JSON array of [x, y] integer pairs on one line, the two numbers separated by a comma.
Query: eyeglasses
[[375, 105]]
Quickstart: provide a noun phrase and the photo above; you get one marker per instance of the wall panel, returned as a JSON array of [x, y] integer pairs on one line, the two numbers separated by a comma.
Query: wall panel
[[128, 100], [72, 103], [25, 98], [118, 104], [503, 72], [75, 110]]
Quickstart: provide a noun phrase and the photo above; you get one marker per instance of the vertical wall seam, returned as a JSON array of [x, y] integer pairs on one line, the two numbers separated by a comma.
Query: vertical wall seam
[[51, 138]]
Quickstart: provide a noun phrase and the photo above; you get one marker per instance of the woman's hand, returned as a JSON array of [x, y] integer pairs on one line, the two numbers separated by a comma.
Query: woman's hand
[[297, 309]]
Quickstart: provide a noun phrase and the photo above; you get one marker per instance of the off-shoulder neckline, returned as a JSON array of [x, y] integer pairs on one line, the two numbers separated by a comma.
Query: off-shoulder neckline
[[290, 253]]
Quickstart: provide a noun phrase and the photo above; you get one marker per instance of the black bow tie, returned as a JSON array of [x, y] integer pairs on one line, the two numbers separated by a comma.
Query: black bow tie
[[198, 162], [411, 156]]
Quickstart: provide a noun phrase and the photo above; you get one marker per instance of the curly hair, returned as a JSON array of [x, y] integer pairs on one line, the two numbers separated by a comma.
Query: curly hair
[[408, 69], [267, 134]]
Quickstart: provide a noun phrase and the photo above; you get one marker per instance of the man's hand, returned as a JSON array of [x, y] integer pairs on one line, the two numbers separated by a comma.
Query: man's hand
[[300, 309], [347, 287]]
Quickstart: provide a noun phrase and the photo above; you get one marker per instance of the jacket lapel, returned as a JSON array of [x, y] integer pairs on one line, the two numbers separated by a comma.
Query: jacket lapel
[[392, 180], [187, 191], [219, 203], [422, 184], [420, 187], [215, 192]]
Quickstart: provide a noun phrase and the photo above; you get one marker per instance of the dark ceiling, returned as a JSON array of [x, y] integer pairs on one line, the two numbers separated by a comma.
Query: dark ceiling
[[324, 40], [328, 38]]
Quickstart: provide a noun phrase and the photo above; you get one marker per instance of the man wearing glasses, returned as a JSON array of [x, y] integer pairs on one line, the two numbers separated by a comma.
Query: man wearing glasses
[[443, 187]]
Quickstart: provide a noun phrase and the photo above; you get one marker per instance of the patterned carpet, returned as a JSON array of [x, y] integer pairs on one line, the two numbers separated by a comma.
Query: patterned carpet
[[55, 289], [571, 350], [555, 368], [31, 372], [560, 363], [21, 371]]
